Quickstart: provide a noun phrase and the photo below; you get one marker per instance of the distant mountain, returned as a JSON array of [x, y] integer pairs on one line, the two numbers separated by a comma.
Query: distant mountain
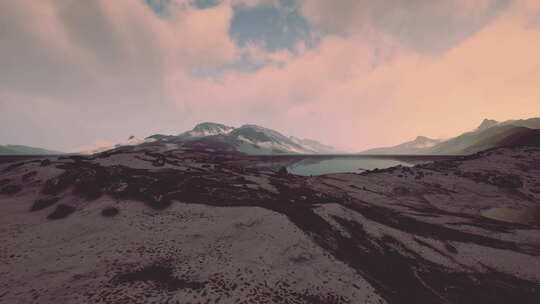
[[497, 136], [25, 150], [316, 146], [131, 141], [530, 137], [531, 123], [208, 129], [489, 134], [486, 124], [248, 139], [418, 146]]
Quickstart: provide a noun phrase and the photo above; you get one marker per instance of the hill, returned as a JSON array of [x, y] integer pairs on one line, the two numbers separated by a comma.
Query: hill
[[25, 150]]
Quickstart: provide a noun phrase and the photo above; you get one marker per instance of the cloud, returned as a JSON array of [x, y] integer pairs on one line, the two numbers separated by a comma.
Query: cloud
[[95, 38], [336, 91], [74, 71], [273, 25], [424, 25], [109, 59]]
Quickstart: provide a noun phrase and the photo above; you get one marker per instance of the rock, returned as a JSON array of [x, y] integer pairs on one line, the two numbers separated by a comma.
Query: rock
[[44, 203], [119, 187], [110, 212], [507, 181], [159, 162], [62, 211], [45, 163], [283, 171], [401, 191], [4, 181], [10, 189], [28, 175]]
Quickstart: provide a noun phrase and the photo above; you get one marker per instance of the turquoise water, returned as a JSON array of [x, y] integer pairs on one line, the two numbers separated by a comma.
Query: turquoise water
[[307, 167]]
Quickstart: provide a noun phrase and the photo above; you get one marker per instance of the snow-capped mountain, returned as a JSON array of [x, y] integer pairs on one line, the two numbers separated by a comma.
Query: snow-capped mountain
[[266, 141], [417, 146], [208, 129], [489, 134], [209, 136], [131, 141], [316, 146], [249, 139]]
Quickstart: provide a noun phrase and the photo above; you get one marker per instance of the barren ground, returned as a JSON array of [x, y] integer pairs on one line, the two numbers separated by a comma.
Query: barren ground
[[189, 227]]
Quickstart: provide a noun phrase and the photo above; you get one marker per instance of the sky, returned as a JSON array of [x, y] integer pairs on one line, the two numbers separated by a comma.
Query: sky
[[355, 74]]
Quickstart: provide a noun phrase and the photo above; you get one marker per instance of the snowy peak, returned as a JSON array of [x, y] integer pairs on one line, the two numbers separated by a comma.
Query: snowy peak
[[209, 129], [131, 141], [259, 134], [316, 146], [267, 140], [420, 145], [249, 139], [423, 142]]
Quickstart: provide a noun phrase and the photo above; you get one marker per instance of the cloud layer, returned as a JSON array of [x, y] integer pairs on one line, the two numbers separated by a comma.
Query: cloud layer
[[76, 72]]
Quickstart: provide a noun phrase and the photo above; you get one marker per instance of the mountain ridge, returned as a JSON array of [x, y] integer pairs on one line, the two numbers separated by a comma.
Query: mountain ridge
[[26, 150], [248, 139], [489, 134], [416, 146]]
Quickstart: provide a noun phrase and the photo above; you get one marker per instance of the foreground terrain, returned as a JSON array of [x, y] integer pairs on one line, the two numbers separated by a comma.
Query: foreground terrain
[[194, 227]]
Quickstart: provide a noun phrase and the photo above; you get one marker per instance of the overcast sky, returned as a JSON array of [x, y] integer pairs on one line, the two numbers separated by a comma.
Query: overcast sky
[[352, 73]]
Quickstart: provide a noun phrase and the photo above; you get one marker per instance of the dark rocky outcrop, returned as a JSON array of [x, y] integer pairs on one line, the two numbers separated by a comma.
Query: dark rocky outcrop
[[61, 211], [44, 203], [110, 212], [10, 189]]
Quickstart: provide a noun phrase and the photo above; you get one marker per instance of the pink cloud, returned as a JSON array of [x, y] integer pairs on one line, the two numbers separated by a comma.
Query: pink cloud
[[334, 90], [360, 90]]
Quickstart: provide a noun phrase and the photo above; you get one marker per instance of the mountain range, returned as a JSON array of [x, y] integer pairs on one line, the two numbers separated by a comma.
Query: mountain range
[[25, 150], [248, 139], [490, 134], [131, 141], [417, 146], [256, 140]]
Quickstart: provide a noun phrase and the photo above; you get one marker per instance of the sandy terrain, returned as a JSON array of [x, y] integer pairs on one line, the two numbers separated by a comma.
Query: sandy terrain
[[173, 227]]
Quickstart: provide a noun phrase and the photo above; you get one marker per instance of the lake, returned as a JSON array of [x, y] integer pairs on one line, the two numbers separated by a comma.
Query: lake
[[318, 165]]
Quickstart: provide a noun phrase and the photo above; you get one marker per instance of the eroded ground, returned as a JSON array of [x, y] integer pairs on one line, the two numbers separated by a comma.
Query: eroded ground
[[191, 227]]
